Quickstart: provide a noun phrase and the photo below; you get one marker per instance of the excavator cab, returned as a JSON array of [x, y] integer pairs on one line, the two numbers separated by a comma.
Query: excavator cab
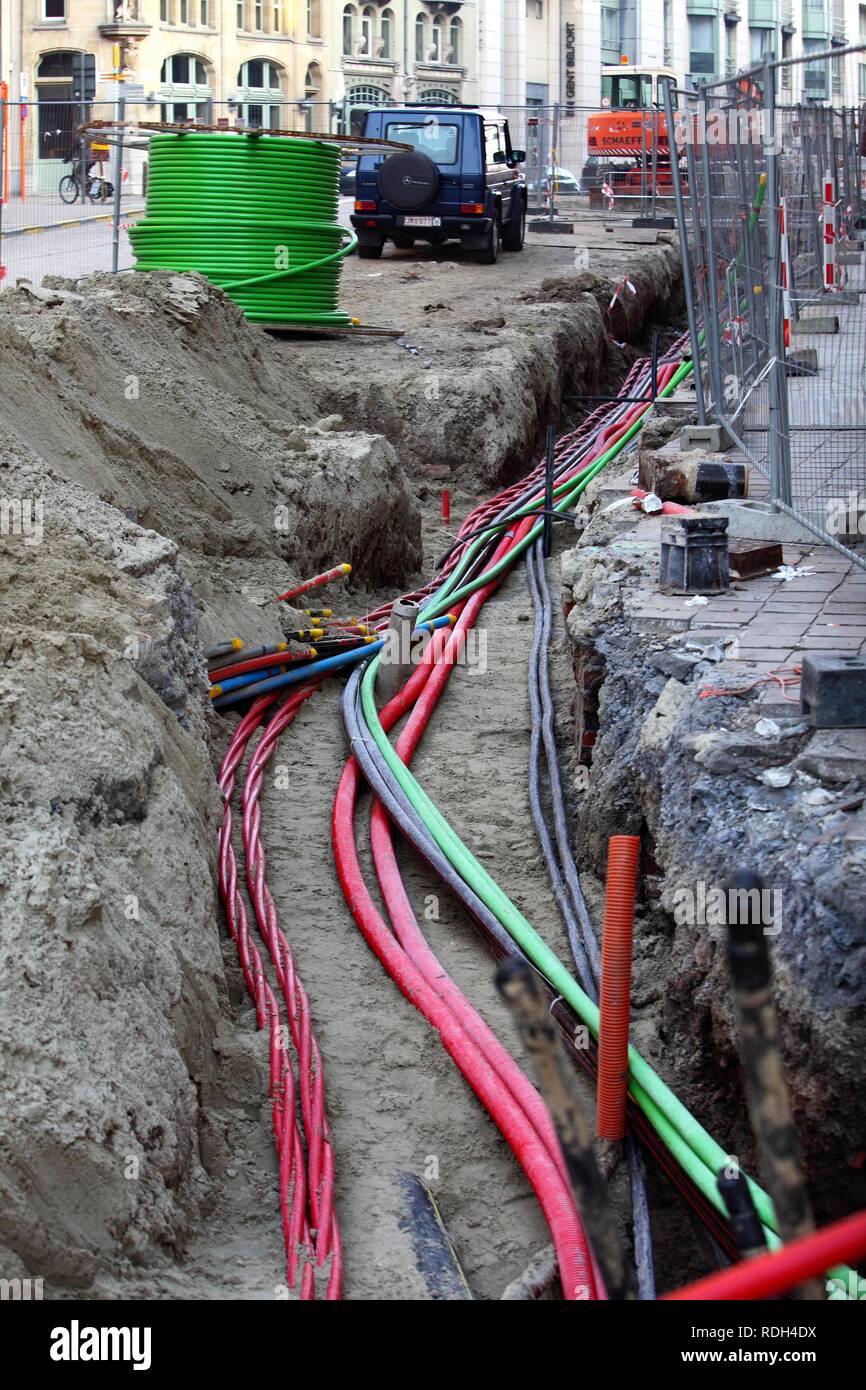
[[628, 89]]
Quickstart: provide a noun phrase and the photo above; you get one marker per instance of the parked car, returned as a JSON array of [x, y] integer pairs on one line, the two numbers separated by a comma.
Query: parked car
[[348, 178], [459, 180], [566, 183]]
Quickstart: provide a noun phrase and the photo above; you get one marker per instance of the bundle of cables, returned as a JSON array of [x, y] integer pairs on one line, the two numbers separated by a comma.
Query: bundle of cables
[[256, 214], [489, 542]]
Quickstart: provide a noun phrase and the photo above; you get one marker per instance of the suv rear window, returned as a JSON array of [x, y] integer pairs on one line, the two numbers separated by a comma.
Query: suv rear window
[[439, 142]]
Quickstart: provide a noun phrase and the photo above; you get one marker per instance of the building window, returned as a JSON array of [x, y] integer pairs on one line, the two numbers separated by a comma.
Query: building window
[[861, 79], [203, 14], [368, 16], [437, 46], [183, 10], [242, 19], [438, 96], [761, 42], [260, 91], [815, 74], [609, 34], [420, 38], [455, 45], [163, 11], [258, 16], [387, 34], [358, 102], [185, 89], [53, 10], [702, 44], [349, 30], [314, 18]]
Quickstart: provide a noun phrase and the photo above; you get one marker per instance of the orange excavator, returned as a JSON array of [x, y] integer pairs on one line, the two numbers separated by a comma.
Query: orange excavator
[[632, 116]]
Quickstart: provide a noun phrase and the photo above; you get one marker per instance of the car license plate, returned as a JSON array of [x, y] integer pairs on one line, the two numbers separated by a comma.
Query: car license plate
[[421, 221]]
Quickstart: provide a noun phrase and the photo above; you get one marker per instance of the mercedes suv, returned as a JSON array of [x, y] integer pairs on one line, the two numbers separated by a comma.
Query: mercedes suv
[[459, 181]]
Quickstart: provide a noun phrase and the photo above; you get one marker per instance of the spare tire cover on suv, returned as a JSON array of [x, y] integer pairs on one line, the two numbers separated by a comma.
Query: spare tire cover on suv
[[408, 181]]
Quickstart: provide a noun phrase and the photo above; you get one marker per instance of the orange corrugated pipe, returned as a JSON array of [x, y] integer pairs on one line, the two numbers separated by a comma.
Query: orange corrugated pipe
[[623, 852]]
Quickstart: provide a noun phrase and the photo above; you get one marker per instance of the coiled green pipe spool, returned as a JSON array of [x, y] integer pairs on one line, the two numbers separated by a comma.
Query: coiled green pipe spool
[[256, 214]]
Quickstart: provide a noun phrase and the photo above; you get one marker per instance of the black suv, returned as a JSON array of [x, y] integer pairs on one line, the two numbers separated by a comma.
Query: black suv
[[460, 181]]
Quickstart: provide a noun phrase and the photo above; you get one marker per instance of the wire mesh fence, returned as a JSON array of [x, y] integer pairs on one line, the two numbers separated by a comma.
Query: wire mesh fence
[[771, 222], [67, 201]]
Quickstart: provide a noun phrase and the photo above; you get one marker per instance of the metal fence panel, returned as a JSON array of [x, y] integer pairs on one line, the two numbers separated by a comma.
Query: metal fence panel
[[772, 219]]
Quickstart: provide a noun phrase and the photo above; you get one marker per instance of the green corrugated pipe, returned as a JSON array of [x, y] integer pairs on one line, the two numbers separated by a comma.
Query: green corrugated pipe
[[256, 214]]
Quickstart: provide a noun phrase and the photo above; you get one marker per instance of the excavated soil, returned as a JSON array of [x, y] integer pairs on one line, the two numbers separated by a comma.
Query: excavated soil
[[186, 467]]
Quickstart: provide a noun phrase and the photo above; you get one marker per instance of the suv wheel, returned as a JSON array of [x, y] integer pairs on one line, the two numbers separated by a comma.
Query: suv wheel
[[371, 252], [514, 234], [493, 244]]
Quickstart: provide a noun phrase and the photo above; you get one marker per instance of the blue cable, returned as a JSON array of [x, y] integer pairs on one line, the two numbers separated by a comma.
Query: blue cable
[[317, 668]]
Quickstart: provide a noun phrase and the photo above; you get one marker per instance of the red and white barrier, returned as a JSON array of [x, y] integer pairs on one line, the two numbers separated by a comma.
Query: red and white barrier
[[829, 233], [787, 278]]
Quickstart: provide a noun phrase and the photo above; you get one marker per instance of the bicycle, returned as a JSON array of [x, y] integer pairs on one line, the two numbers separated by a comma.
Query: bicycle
[[97, 189]]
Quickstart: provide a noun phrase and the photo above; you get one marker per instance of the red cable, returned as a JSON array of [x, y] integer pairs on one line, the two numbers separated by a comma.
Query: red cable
[[320, 1156], [314, 1245], [491, 1072], [844, 1242], [292, 1175]]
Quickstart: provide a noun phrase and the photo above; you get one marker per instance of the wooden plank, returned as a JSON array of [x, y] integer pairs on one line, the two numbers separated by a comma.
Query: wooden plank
[[351, 330]]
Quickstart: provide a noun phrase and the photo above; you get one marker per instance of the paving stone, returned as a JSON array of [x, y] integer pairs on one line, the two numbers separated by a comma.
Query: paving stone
[[829, 644], [834, 755]]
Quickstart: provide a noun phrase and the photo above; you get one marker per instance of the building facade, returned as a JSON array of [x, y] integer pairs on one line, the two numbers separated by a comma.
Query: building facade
[[298, 64], [319, 64]]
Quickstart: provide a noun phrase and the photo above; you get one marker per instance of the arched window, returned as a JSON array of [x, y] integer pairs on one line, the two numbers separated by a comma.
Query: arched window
[[261, 89], [455, 41], [368, 19], [421, 39], [437, 46], [185, 88], [438, 96], [349, 16], [314, 110], [358, 102], [386, 41]]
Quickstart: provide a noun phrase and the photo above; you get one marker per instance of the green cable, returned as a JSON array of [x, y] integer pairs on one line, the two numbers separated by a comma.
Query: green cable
[[567, 492], [697, 1153], [256, 214]]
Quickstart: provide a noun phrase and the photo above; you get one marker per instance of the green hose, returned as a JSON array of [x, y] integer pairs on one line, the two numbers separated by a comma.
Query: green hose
[[699, 1155], [256, 214]]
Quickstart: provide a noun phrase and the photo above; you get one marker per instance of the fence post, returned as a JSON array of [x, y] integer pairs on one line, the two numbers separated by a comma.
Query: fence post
[[684, 248], [554, 161], [712, 296], [120, 112], [780, 439]]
